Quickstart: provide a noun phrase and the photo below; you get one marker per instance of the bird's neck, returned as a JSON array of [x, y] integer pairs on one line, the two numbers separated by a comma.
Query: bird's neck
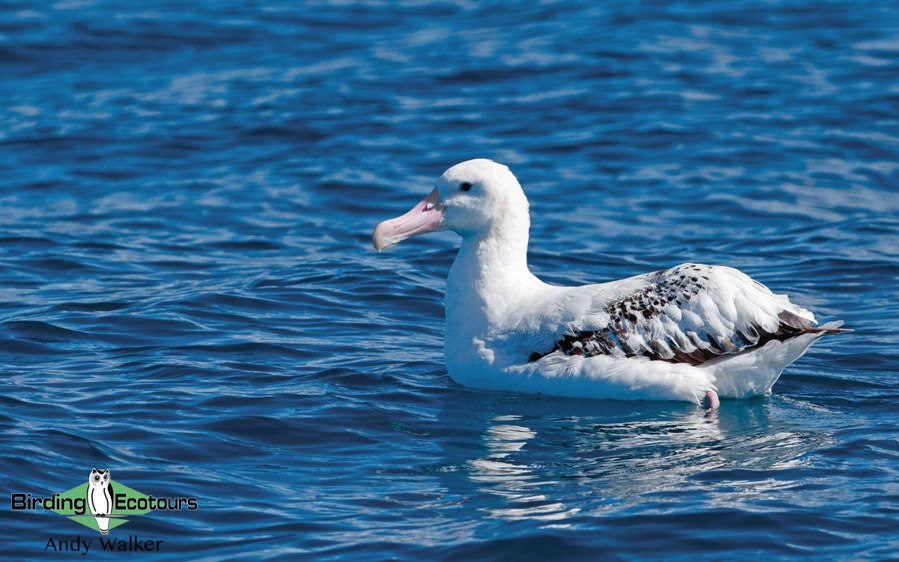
[[489, 276]]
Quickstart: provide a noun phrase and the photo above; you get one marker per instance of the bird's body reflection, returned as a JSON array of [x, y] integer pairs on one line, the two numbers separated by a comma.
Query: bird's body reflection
[[518, 484], [602, 457]]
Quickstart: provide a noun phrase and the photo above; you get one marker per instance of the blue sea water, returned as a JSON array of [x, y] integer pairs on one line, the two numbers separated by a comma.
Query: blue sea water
[[189, 297]]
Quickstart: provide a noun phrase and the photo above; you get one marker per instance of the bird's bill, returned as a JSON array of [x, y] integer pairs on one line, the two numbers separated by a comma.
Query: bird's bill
[[424, 217]]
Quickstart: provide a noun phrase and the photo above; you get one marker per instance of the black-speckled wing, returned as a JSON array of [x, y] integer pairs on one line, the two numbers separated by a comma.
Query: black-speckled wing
[[692, 314]]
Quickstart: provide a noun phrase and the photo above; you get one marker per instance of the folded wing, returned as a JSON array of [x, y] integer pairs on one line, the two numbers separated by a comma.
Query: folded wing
[[691, 314]]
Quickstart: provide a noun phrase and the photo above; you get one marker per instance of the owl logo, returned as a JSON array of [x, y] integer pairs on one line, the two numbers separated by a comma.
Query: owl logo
[[99, 497]]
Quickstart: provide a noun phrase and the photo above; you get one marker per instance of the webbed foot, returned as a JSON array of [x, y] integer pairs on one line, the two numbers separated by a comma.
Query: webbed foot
[[711, 402]]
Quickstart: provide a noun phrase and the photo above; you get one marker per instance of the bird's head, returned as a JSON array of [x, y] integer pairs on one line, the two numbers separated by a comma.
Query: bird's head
[[472, 198]]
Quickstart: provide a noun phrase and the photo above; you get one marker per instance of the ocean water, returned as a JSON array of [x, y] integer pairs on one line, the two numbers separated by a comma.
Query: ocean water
[[189, 297]]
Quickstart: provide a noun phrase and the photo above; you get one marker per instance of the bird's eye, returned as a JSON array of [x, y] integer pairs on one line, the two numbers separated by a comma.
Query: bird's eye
[[465, 186]]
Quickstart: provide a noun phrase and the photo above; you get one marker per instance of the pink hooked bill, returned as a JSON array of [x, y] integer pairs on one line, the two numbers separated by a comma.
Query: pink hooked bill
[[424, 217]]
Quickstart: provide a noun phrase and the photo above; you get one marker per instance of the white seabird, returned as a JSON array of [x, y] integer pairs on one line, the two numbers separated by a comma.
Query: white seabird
[[693, 332]]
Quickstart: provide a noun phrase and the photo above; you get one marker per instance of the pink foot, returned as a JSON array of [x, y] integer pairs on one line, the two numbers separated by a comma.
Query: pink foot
[[711, 402]]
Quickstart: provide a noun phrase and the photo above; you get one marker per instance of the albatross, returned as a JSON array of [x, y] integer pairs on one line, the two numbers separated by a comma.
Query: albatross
[[693, 333]]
